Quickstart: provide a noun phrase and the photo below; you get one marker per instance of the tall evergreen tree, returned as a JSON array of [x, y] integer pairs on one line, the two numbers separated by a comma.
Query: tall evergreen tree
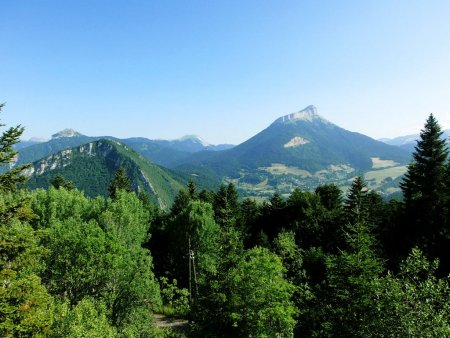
[[60, 182], [25, 305], [356, 201], [8, 154], [121, 181], [226, 205], [192, 190], [330, 196], [424, 189]]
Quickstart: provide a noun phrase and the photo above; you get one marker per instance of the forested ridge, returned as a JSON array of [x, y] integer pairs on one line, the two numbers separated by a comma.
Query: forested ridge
[[315, 264]]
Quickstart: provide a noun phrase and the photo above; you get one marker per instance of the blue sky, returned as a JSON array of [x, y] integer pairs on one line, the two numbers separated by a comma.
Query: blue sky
[[222, 69]]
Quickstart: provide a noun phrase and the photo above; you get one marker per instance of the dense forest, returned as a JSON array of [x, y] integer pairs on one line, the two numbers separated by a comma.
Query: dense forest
[[316, 264]]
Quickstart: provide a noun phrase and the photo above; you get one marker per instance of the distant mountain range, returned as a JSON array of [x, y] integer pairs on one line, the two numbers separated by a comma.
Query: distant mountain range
[[91, 168], [408, 142], [301, 149], [163, 152]]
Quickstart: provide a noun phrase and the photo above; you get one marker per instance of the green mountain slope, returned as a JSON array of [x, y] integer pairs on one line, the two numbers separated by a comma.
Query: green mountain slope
[[306, 141], [91, 167], [37, 151], [299, 149], [152, 150], [166, 153]]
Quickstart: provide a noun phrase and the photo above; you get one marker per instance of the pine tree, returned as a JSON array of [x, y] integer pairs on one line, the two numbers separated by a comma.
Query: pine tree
[[330, 196], [356, 201], [60, 182], [25, 305], [192, 190], [121, 181], [8, 155], [226, 205], [424, 189]]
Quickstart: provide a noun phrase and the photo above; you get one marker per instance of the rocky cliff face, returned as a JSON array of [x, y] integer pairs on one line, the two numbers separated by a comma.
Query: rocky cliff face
[[91, 168], [308, 114], [65, 157], [66, 133]]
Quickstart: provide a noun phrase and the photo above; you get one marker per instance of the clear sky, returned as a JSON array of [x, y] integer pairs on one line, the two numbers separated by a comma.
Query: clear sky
[[222, 69]]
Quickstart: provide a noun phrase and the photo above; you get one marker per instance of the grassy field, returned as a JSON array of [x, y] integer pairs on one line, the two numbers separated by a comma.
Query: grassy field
[[378, 163], [280, 169], [380, 175]]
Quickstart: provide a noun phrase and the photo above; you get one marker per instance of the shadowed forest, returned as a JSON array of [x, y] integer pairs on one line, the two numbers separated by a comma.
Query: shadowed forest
[[316, 264]]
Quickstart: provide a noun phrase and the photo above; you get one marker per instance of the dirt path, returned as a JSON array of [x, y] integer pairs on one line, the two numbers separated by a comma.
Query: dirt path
[[175, 323]]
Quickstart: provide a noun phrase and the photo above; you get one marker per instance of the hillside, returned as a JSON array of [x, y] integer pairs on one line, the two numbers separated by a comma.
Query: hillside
[[36, 151], [162, 152], [91, 168], [299, 149]]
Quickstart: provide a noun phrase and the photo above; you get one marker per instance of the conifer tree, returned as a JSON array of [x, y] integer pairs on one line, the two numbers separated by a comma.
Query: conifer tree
[[121, 181], [424, 188], [226, 205], [330, 196], [60, 182], [356, 201], [25, 305], [8, 154], [192, 190]]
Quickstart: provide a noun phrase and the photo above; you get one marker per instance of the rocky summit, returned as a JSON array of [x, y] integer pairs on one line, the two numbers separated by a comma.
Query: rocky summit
[[66, 133], [308, 114]]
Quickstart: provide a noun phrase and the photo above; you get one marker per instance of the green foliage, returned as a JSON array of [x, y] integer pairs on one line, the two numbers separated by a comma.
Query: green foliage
[[25, 305], [73, 266], [87, 318], [424, 179], [196, 229], [330, 196], [95, 251], [132, 290], [126, 218], [425, 194], [8, 138], [356, 203], [292, 258], [328, 145], [343, 287], [248, 216], [226, 205], [60, 182], [175, 300], [305, 213], [350, 276], [77, 266], [90, 174], [38, 151], [91, 168], [260, 303], [181, 202], [59, 205], [121, 181], [290, 255], [414, 303]]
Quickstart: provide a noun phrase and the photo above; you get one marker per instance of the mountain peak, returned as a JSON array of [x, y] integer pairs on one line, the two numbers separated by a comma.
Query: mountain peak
[[66, 133], [37, 139], [193, 138], [308, 114]]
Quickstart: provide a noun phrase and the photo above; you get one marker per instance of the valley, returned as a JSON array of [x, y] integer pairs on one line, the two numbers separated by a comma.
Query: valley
[[298, 150]]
